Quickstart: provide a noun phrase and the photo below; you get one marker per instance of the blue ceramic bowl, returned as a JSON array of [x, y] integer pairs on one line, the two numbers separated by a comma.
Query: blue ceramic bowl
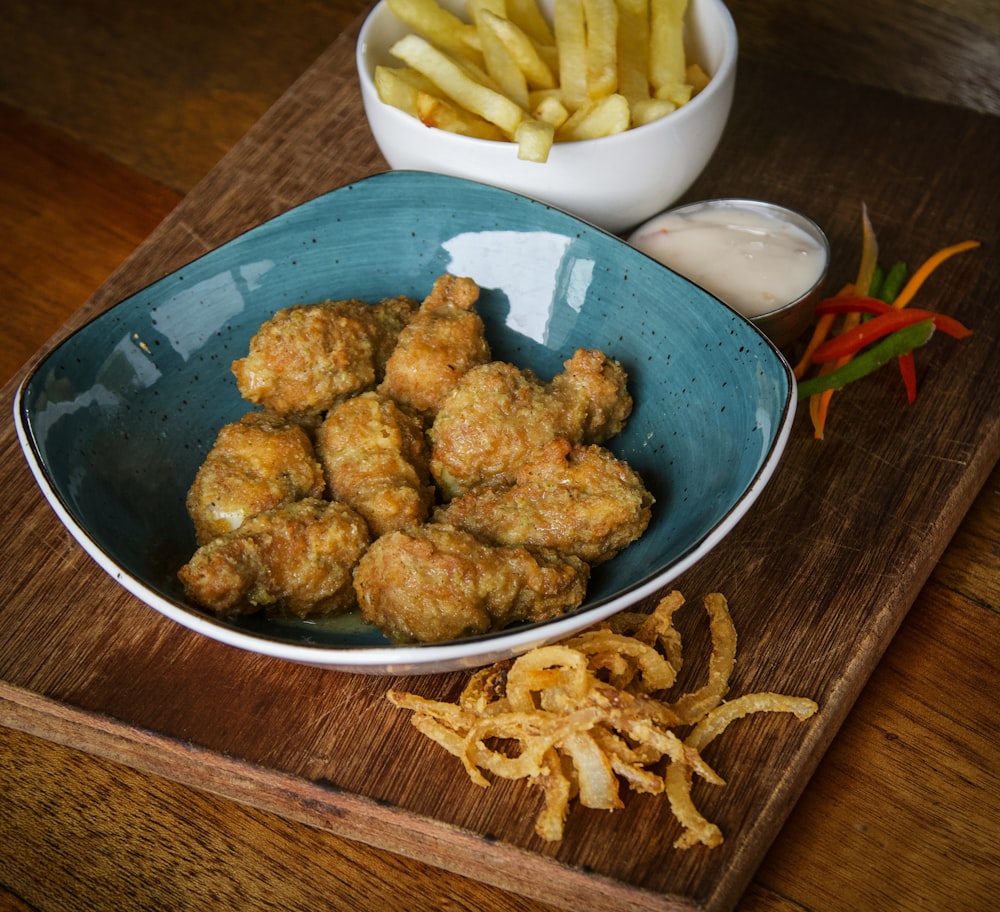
[[116, 420]]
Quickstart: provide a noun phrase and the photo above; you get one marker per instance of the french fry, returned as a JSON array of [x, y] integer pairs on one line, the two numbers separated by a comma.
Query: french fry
[[526, 15], [550, 109], [503, 69], [571, 39], [534, 140], [536, 70], [475, 71], [697, 78], [437, 25], [646, 110], [602, 67], [596, 118], [456, 84], [633, 49], [550, 54], [677, 92], [436, 112], [537, 96], [475, 7], [396, 90], [666, 47], [601, 22]]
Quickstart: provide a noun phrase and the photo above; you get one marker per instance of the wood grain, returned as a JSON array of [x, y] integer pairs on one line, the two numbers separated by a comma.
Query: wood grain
[[166, 89], [942, 50], [184, 845], [68, 217], [921, 716], [242, 854]]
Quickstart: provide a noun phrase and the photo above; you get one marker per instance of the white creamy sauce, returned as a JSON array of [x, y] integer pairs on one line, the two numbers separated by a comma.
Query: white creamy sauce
[[754, 261]]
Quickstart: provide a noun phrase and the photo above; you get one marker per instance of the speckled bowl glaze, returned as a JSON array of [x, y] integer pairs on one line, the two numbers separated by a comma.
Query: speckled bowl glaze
[[116, 420]]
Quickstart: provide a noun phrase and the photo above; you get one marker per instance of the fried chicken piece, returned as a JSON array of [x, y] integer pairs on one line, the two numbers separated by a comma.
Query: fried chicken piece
[[498, 415], [572, 499], [595, 383], [375, 458], [308, 357], [255, 464], [434, 582], [296, 560], [438, 345]]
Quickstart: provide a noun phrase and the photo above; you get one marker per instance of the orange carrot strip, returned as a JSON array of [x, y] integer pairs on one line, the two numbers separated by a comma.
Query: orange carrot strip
[[930, 264], [819, 405]]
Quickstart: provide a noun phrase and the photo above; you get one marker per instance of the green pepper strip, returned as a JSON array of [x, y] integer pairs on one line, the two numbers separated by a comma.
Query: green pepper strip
[[899, 343], [893, 283], [875, 285]]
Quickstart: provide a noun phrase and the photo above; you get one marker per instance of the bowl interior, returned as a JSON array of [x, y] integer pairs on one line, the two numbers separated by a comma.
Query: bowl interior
[[117, 419]]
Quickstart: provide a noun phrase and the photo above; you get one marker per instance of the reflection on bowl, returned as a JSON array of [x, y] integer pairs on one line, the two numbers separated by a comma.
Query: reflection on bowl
[[764, 260], [615, 181], [116, 420]]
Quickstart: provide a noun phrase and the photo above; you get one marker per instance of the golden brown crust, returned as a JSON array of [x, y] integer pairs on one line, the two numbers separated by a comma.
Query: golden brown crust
[[498, 415], [443, 340], [573, 499], [295, 560], [435, 582], [308, 357], [595, 383], [375, 458], [326, 499], [255, 464]]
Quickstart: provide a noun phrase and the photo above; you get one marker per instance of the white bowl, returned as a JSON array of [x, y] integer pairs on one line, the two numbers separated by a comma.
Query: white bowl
[[616, 182]]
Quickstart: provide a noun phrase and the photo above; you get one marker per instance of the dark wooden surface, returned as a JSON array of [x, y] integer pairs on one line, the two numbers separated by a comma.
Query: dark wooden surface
[[128, 739]]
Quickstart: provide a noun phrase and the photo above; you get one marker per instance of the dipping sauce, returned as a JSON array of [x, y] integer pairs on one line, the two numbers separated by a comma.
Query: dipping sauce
[[754, 256]]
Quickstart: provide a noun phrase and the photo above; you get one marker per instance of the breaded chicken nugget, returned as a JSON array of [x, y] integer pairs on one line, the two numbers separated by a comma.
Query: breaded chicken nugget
[[434, 582], [296, 560], [595, 383], [499, 414], [437, 346], [308, 357], [376, 458], [255, 464], [573, 499]]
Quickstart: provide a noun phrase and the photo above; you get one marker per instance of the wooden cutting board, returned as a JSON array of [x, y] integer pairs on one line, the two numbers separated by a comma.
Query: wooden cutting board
[[819, 575]]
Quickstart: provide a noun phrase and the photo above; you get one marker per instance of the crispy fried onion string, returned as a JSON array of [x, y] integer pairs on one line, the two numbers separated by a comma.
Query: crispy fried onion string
[[578, 718]]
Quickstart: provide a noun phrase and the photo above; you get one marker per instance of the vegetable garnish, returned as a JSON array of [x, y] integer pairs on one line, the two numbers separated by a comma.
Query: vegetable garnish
[[901, 342], [820, 332], [851, 341], [865, 326], [932, 263]]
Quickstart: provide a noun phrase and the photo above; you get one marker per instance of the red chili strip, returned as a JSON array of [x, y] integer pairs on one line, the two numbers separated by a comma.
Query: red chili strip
[[887, 320], [852, 304], [908, 371], [855, 303]]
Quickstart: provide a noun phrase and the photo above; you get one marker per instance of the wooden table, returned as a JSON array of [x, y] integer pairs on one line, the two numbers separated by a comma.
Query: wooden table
[[903, 810]]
